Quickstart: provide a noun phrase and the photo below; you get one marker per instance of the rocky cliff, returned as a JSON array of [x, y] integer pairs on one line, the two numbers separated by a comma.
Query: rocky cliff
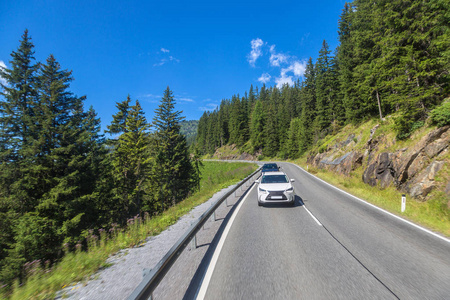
[[411, 170], [232, 152]]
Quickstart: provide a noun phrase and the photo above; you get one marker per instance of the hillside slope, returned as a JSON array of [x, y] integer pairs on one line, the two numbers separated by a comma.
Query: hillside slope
[[418, 166]]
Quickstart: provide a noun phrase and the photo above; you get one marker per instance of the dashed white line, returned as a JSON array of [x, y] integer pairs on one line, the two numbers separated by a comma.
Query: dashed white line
[[315, 219], [376, 207]]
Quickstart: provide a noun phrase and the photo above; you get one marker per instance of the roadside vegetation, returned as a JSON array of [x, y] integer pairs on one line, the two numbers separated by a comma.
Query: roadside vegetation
[[78, 265], [390, 68], [431, 214]]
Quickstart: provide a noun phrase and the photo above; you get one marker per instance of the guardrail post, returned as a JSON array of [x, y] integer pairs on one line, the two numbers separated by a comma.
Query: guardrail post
[[194, 242]]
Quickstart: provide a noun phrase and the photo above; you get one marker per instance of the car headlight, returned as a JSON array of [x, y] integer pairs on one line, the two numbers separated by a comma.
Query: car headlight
[[262, 190], [291, 189]]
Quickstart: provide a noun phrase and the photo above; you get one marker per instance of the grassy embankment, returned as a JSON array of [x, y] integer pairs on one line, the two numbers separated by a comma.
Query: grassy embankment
[[432, 213], [78, 266]]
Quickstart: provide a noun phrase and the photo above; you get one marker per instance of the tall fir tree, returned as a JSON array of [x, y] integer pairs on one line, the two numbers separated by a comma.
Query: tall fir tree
[[19, 99], [309, 105], [172, 172], [323, 89], [271, 141], [130, 158], [257, 126]]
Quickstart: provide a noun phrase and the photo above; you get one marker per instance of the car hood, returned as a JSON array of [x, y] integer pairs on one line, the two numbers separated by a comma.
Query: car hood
[[275, 186]]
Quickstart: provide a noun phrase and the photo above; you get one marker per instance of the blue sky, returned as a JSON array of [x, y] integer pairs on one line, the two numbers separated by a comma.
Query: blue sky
[[205, 51]]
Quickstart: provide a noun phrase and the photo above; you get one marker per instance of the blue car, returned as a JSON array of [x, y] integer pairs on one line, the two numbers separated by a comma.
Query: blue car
[[272, 167]]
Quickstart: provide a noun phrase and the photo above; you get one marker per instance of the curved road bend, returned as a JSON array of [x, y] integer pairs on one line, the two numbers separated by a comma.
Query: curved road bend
[[349, 250]]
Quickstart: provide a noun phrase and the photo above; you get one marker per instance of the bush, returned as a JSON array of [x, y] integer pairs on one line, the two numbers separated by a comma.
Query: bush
[[440, 116], [322, 149]]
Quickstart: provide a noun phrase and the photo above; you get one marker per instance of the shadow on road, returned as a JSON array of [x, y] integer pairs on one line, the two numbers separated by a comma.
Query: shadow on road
[[298, 201]]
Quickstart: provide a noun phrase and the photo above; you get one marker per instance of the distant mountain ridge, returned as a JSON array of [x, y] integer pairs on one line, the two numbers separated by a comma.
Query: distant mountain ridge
[[189, 130]]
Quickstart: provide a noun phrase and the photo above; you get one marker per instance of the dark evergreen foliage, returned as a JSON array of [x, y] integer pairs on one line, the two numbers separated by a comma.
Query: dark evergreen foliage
[[60, 180], [393, 57], [172, 173]]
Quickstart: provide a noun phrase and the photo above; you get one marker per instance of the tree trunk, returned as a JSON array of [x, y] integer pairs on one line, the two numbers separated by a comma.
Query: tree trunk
[[379, 105]]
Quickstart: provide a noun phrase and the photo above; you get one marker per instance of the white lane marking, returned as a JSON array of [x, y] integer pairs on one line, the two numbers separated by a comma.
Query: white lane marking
[[315, 219], [206, 279], [380, 209]]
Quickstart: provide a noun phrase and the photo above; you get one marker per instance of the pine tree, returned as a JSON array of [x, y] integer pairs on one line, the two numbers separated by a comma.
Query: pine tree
[[346, 61], [130, 157], [172, 172], [17, 126], [19, 99], [118, 124], [271, 142], [70, 156], [309, 104], [293, 138], [323, 89], [224, 134], [257, 126], [336, 107], [58, 171]]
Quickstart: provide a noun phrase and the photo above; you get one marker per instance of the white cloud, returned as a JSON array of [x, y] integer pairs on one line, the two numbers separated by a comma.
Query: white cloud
[[166, 58], [256, 51], [171, 58], [184, 99], [296, 67], [151, 98], [2, 65], [265, 77], [163, 61], [209, 107], [290, 67], [299, 68], [284, 79], [276, 59]]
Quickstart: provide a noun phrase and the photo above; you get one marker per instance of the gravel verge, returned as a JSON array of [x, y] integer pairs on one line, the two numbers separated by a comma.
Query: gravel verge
[[128, 265]]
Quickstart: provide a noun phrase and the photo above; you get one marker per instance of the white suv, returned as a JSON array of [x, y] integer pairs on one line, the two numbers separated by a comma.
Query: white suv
[[275, 187]]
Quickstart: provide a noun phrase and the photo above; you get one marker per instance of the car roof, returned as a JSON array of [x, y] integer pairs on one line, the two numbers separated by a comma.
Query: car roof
[[274, 173], [270, 165]]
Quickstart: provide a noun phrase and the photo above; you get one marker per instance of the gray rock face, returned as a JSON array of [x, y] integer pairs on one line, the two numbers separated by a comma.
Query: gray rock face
[[411, 170], [343, 164], [422, 185]]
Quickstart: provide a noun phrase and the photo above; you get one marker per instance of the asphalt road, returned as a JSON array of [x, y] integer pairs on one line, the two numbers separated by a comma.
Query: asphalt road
[[329, 246]]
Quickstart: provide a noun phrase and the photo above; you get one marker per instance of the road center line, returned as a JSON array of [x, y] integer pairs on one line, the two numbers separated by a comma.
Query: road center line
[[376, 207], [315, 219], [207, 278]]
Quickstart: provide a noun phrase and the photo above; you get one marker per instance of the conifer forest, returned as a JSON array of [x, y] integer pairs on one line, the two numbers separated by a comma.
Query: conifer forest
[[393, 59], [61, 177]]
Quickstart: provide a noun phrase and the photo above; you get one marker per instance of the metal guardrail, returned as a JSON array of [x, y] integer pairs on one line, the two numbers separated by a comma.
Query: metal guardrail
[[149, 283]]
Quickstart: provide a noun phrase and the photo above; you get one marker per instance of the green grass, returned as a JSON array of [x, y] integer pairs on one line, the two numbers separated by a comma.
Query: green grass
[[431, 214], [78, 266]]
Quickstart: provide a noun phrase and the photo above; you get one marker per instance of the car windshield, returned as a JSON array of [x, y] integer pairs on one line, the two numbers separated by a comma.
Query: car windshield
[[270, 166], [274, 179]]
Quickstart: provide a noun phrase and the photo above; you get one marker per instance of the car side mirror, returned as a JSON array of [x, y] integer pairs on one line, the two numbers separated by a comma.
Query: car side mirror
[[292, 180]]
